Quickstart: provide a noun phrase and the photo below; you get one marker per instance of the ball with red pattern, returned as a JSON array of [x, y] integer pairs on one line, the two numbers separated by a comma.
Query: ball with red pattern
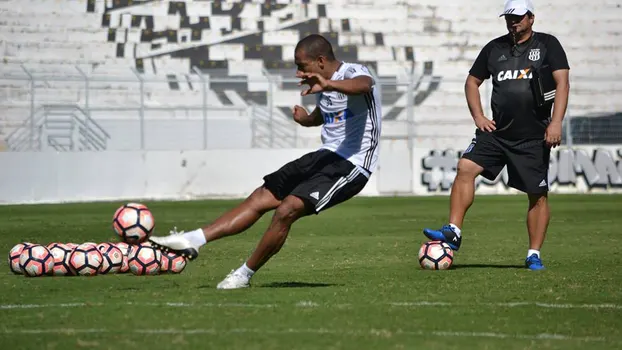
[[85, 260], [172, 263], [71, 246], [125, 249], [436, 255], [144, 260], [112, 258], [36, 260], [61, 253], [14, 254], [133, 222]]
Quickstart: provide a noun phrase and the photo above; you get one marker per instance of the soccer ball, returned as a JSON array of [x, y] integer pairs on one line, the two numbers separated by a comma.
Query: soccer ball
[[436, 255], [144, 260], [36, 260], [133, 222], [172, 263], [112, 258], [125, 249], [14, 254], [85, 260], [61, 253], [71, 246]]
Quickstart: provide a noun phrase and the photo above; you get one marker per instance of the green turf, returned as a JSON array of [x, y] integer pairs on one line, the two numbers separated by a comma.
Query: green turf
[[346, 279]]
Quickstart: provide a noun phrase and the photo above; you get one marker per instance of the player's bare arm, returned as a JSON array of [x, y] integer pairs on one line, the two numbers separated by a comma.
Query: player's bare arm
[[471, 89], [355, 86], [302, 117], [553, 135]]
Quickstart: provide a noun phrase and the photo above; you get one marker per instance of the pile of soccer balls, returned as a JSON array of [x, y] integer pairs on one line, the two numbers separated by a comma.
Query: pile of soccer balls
[[436, 255], [133, 223]]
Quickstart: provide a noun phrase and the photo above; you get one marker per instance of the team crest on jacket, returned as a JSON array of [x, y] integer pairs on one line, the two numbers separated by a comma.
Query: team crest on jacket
[[534, 54]]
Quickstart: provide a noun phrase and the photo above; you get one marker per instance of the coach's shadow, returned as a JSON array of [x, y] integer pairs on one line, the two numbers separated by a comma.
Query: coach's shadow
[[486, 266], [297, 285]]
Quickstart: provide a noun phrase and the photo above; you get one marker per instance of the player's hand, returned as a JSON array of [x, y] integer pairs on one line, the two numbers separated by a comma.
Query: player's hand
[[485, 124], [316, 83], [553, 134], [300, 115]]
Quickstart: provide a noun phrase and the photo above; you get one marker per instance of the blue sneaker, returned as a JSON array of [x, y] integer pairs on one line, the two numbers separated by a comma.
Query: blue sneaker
[[445, 234], [533, 262]]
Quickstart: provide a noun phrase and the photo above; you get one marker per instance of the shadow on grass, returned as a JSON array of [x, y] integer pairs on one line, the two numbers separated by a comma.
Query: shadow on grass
[[296, 285], [486, 266]]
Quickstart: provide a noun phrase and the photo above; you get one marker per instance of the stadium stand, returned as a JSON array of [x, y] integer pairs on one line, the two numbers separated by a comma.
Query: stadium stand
[[244, 49]]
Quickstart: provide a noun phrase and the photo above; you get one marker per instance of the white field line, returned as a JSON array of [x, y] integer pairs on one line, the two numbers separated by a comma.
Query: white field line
[[381, 333], [312, 304], [424, 220]]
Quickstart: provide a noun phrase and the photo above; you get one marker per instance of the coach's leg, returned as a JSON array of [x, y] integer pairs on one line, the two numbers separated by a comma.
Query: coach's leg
[[538, 217], [463, 191], [291, 209], [242, 216]]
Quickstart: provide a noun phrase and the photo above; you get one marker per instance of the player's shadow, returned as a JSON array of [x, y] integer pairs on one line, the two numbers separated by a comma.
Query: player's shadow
[[486, 266], [297, 285]]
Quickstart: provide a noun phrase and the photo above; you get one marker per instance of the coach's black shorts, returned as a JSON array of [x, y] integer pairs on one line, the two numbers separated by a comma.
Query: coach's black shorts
[[527, 160], [321, 179]]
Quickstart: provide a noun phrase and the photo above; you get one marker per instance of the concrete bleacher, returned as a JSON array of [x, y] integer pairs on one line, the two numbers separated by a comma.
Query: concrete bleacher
[[235, 44]]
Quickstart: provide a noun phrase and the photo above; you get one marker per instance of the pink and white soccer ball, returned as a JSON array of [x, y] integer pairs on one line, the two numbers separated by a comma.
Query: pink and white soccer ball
[[36, 260], [133, 222], [14, 254], [85, 260], [125, 250], [436, 255], [71, 246], [144, 260], [172, 263], [112, 258], [61, 253]]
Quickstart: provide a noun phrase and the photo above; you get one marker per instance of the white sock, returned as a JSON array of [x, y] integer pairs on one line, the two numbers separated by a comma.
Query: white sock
[[245, 271], [456, 229], [530, 252], [196, 237]]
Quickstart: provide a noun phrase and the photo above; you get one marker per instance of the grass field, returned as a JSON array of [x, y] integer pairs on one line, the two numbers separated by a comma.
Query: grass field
[[346, 279]]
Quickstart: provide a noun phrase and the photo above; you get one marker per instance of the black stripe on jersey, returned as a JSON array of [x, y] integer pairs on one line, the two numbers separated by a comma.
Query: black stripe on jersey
[[375, 132]]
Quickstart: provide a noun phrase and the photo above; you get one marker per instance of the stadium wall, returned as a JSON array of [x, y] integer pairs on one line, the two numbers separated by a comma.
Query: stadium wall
[[51, 177]]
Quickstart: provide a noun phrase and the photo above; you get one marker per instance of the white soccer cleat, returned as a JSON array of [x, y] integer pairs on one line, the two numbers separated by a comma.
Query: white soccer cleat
[[177, 243], [234, 280]]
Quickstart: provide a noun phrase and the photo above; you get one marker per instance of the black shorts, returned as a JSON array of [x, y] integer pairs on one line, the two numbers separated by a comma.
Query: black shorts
[[527, 160], [321, 179]]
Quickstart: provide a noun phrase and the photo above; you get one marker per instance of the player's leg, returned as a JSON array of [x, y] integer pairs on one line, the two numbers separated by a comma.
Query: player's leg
[[243, 216], [483, 156], [277, 186], [292, 209], [335, 184], [528, 166], [230, 223]]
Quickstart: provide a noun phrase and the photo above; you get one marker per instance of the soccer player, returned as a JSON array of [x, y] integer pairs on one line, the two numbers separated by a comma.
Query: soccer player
[[348, 110], [520, 134]]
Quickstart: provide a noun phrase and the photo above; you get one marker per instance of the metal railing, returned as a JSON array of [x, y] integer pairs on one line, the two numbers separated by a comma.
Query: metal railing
[[95, 99]]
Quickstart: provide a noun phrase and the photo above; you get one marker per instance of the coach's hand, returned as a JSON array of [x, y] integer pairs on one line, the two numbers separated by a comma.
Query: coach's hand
[[485, 124], [553, 134], [316, 83]]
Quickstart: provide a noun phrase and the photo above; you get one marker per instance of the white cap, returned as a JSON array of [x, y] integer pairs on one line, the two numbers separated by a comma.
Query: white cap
[[517, 7]]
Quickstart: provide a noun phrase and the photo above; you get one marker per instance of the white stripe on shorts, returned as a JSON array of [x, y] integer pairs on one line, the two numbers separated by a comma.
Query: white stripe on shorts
[[344, 180]]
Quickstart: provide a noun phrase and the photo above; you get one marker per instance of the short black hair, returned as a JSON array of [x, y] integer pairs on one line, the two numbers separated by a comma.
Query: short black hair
[[314, 46]]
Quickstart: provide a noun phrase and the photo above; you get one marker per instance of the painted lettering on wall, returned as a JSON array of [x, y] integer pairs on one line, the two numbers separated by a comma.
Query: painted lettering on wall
[[597, 167]]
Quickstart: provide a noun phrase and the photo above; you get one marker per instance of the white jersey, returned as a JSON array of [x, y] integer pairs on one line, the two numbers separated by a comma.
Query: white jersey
[[352, 122]]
